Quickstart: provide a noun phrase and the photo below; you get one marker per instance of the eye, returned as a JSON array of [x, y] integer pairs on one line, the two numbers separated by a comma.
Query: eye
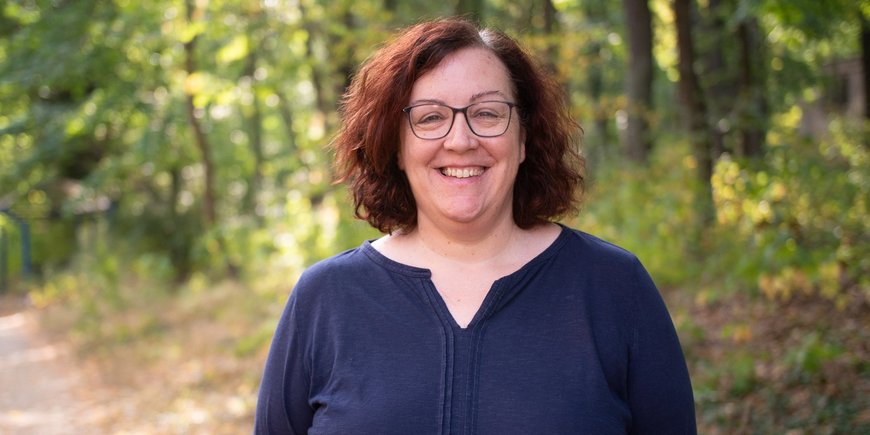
[[430, 117], [489, 111], [486, 113]]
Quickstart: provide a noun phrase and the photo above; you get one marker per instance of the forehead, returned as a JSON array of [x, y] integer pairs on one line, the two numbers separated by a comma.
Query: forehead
[[463, 76]]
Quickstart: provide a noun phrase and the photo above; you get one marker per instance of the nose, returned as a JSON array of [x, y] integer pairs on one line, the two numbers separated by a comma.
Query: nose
[[460, 137]]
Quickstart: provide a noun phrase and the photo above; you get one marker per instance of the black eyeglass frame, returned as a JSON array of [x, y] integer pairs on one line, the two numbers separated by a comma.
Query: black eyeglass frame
[[462, 110]]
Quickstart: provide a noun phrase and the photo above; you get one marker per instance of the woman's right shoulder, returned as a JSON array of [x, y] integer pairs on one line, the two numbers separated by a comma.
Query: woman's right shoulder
[[332, 286], [341, 265]]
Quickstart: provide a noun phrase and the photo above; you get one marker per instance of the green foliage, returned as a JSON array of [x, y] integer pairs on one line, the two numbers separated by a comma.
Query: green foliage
[[809, 356], [741, 371], [812, 18], [647, 211], [798, 221]]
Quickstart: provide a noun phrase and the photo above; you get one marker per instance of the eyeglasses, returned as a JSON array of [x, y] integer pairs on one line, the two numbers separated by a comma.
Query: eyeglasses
[[485, 119]]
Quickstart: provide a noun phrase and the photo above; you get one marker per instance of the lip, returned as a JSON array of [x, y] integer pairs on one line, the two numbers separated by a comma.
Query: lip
[[462, 172]]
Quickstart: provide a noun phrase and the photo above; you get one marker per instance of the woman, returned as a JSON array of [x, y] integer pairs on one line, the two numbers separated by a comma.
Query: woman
[[474, 313]]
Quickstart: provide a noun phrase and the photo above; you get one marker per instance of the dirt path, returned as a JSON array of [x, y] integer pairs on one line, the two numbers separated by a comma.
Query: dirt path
[[39, 383]]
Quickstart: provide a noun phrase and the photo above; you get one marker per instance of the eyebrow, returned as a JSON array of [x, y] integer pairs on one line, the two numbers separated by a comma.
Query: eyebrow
[[486, 94], [473, 98]]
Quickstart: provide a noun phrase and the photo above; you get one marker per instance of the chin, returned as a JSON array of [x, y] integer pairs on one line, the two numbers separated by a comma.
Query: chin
[[465, 216]]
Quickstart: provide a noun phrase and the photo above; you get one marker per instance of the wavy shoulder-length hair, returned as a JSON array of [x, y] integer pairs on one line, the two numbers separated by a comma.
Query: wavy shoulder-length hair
[[550, 180]]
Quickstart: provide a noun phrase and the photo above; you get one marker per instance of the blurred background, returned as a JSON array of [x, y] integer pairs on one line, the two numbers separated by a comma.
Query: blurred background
[[165, 178]]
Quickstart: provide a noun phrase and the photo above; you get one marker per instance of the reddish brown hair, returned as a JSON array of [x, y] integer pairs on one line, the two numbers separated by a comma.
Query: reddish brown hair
[[550, 180]]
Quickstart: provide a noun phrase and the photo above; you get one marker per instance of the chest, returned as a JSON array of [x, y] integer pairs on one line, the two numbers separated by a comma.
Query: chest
[[533, 366], [462, 292]]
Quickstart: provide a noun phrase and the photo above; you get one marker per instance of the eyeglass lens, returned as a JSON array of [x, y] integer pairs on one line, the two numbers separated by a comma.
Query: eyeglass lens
[[485, 119]]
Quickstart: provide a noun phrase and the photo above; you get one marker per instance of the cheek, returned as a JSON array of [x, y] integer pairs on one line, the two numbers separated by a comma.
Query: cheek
[[411, 152]]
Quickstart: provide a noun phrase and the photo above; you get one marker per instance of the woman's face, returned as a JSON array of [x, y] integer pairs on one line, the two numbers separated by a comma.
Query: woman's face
[[463, 178]]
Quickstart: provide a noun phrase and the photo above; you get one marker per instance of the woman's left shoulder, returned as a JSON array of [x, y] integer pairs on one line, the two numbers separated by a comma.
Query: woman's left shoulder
[[596, 248]]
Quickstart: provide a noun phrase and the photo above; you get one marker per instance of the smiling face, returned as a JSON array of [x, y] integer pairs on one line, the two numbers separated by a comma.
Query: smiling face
[[463, 178]]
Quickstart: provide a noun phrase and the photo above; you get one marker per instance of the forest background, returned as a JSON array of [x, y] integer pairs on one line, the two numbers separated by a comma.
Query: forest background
[[164, 179]]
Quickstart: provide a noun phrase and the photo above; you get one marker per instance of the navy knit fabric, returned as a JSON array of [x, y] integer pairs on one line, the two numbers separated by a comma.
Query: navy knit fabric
[[578, 341]]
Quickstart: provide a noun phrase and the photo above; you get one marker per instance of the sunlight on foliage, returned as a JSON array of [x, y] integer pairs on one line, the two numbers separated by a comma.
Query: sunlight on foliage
[[804, 216], [619, 195]]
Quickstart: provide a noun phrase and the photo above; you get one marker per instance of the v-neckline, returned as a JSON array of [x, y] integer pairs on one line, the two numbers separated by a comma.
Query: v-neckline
[[494, 293]]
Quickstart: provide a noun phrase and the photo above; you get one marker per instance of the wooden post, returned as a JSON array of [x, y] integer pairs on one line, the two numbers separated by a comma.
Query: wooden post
[[4, 261]]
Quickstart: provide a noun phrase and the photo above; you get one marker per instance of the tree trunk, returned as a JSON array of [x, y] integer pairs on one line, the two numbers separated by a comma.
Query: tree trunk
[[596, 11], [256, 38], [471, 9], [550, 35], [287, 119], [550, 16], [753, 104], [317, 79], [719, 79], [255, 127], [694, 107], [865, 59], [595, 76], [346, 62], [208, 201], [179, 247], [638, 23]]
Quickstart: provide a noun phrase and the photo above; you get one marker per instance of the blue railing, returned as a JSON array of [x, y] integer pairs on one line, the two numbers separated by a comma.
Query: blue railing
[[24, 232]]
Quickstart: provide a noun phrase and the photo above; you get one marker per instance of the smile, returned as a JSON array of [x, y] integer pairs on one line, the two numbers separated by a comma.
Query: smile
[[462, 172]]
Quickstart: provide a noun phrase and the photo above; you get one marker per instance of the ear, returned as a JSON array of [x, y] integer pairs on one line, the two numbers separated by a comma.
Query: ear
[[399, 161], [522, 145]]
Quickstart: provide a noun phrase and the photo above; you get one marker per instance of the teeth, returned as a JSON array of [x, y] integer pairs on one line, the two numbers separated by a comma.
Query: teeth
[[462, 173]]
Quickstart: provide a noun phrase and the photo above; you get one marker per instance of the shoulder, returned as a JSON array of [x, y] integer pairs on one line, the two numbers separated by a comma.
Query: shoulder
[[338, 264], [334, 272], [613, 274], [593, 250]]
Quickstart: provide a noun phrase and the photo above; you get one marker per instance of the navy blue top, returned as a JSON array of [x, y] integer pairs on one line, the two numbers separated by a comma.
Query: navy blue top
[[578, 341]]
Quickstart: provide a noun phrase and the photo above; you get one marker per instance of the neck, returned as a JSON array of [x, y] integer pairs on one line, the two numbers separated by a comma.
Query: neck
[[468, 243]]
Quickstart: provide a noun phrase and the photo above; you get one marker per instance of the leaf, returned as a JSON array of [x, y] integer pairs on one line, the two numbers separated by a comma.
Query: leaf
[[238, 48], [191, 31]]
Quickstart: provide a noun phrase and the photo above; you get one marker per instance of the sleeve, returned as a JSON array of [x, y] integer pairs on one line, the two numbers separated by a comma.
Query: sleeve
[[282, 406], [659, 389]]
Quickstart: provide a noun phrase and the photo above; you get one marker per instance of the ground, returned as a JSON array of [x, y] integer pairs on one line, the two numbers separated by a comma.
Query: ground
[[41, 386]]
